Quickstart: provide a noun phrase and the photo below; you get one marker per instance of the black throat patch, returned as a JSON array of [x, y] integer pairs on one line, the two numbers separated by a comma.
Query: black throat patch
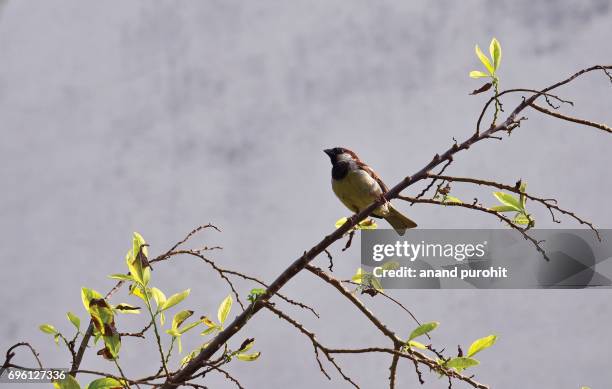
[[340, 170]]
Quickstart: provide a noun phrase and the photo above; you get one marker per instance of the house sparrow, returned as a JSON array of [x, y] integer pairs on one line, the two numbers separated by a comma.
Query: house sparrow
[[358, 186]]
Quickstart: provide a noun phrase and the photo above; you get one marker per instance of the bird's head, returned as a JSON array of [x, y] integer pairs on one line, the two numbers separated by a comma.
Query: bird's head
[[339, 154]]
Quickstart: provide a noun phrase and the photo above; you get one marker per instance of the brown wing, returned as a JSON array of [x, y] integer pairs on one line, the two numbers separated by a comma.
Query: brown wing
[[373, 174]]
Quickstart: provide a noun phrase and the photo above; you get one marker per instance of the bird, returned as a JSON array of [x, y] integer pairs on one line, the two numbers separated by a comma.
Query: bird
[[357, 186]]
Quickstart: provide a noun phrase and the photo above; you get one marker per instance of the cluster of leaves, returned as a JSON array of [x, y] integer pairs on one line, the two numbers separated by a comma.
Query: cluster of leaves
[[458, 363], [491, 65], [103, 313], [367, 281], [510, 203]]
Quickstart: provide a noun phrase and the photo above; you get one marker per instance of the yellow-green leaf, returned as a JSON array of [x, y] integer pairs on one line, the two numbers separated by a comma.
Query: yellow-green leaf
[[452, 199], [340, 222], [138, 244], [415, 344], [122, 277], [496, 53], [224, 308], [461, 363], [175, 299], [74, 319], [248, 357], [481, 344], [207, 322], [358, 277], [521, 219], [209, 330], [478, 74], [189, 326], [69, 382], [113, 344], [180, 317], [485, 61], [503, 208], [48, 329], [423, 329], [158, 296], [509, 200], [105, 383]]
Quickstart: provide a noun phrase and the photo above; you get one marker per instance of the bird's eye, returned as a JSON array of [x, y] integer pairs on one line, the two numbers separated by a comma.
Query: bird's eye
[[338, 150]]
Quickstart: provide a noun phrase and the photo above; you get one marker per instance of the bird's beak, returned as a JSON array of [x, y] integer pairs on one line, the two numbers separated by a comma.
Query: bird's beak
[[329, 152]]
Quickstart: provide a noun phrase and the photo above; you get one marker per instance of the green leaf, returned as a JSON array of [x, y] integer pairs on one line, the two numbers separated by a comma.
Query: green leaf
[[423, 329], [341, 222], [105, 383], [113, 344], [481, 344], [522, 219], [180, 317], [248, 357], [415, 344], [478, 74], [48, 329], [224, 308], [503, 208], [189, 326], [134, 267], [67, 383], [146, 275], [138, 244], [358, 277], [461, 363], [255, 293], [509, 200], [122, 277], [175, 299], [207, 322], [209, 330], [74, 319], [485, 61], [158, 296], [452, 199], [496, 53]]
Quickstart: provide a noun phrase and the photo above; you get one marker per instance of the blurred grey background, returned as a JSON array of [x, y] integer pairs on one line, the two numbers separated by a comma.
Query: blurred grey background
[[160, 116]]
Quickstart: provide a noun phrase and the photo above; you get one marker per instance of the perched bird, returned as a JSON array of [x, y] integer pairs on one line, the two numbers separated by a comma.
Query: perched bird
[[358, 186]]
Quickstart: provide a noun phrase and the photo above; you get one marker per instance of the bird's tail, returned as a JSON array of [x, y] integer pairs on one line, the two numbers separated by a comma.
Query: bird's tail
[[398, 221]]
